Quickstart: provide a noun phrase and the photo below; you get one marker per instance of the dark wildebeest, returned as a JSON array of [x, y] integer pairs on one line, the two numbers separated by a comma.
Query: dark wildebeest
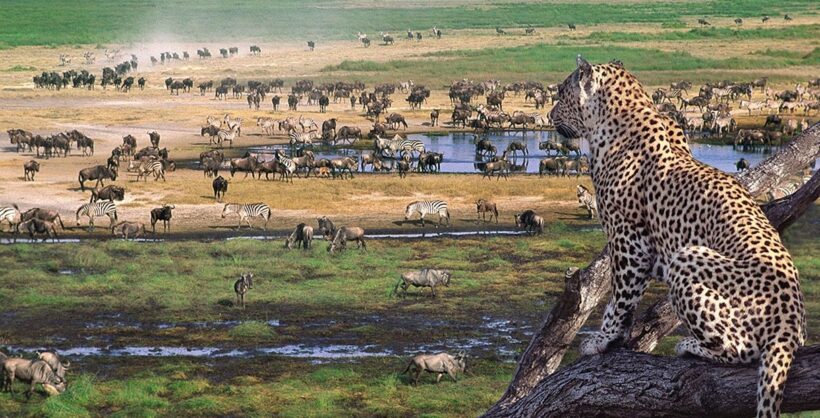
[[248, 164], [210, 167], [161, 214], [311, 45], [773, 121], [220, 188], [346, 133], [326, 227], [275, 101], [434, 117], [126, 229], [29, 168], [516, 146], [742, 164], [394, 119], [99, 173], [439, 364], [302, 236], [241, 287], [534, 224], [423, 278], [141, 83], [345, 234], [154, 136], [33, 372], [38, 226], [483, 206], [324, 102], [502, 167], [329, 126], [44, 215], [110, 193]]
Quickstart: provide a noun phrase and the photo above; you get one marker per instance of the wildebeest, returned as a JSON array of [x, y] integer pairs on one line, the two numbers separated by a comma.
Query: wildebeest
[[516, 146], [29, 168], [33, 372], [53, 360], [311, 45], [326, 227], [220, 186], [247, 165], [742, 164], [126, 229], [551, 165], [345, 234], [36, 226], [434, 117], [302, 235], [502, 167], [346, 133], [396, 119], [241, 287], [110, 193], [99, 173], [482, 206], [43, 215], [423, 278], [439, 364], [162, 214], [533, 224]]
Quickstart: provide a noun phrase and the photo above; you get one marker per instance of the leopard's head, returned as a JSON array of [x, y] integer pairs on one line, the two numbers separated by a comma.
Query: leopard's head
[[570, 113]]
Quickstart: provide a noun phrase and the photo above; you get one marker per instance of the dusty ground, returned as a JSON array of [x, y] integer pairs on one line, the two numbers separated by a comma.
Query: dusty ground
[[108, 115]]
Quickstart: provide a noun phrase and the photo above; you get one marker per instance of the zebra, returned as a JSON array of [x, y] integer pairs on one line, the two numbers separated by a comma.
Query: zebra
[[154, 167], [98, 208], [304, 139], [248, 211], [241, 287], [398, 144], [587, 200], [425, 207], [11, 215], [288, 167]]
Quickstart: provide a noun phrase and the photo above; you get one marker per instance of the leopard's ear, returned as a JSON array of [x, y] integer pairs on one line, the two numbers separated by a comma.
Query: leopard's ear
[[583, 65]]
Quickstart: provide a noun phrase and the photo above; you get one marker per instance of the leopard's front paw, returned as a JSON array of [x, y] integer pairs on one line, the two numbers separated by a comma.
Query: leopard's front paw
[[597, 343]]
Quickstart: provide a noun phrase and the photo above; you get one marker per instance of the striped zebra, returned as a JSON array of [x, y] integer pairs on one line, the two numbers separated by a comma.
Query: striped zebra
[[96, 209], [11, 215], [587, 200], [426, 207], [399, 144], [245, 212], [155, 167], [287, 167], [304, 139]]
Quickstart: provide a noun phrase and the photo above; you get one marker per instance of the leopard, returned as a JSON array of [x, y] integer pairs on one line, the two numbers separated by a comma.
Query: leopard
[[667, 216]]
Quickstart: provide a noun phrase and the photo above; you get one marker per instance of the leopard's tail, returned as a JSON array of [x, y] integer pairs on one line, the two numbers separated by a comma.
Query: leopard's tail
[[775, 361]]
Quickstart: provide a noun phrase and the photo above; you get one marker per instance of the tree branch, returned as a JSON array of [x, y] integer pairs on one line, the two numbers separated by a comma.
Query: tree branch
[[548, 346], [625, 383]]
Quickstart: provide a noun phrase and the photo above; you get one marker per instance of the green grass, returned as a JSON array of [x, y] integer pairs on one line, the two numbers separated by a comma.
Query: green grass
[[555, 61], [44, 22]]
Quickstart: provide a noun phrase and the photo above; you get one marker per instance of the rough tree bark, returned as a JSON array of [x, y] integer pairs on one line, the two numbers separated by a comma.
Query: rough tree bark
[[584, 290], [625, 383]]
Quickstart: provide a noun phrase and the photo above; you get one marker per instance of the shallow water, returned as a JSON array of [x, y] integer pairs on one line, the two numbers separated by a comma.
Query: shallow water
[[460, 157]]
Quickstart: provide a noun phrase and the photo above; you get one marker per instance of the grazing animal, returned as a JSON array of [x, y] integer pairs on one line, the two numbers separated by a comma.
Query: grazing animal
[[483, 206], [440, 364], [241, 287], [532, 223], [43, 215], [428, 207], [247, 165], [126, 229], [742, 164], [423, 278], [99, 173], [434, 117], [29, 168], [96, 209], [248, 211], [53, 360], [162, 214], [502, 167], [32, 372], [517, 146], [326, 227], [587, 200], [110, 193], [311, 45], [220, 186], [688, 224], [345, 234], [155, 167], [302, 236]]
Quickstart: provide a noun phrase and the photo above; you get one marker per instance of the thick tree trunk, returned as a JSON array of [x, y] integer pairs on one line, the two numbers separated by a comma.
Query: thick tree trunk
[[581, 295], [626, 383]]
